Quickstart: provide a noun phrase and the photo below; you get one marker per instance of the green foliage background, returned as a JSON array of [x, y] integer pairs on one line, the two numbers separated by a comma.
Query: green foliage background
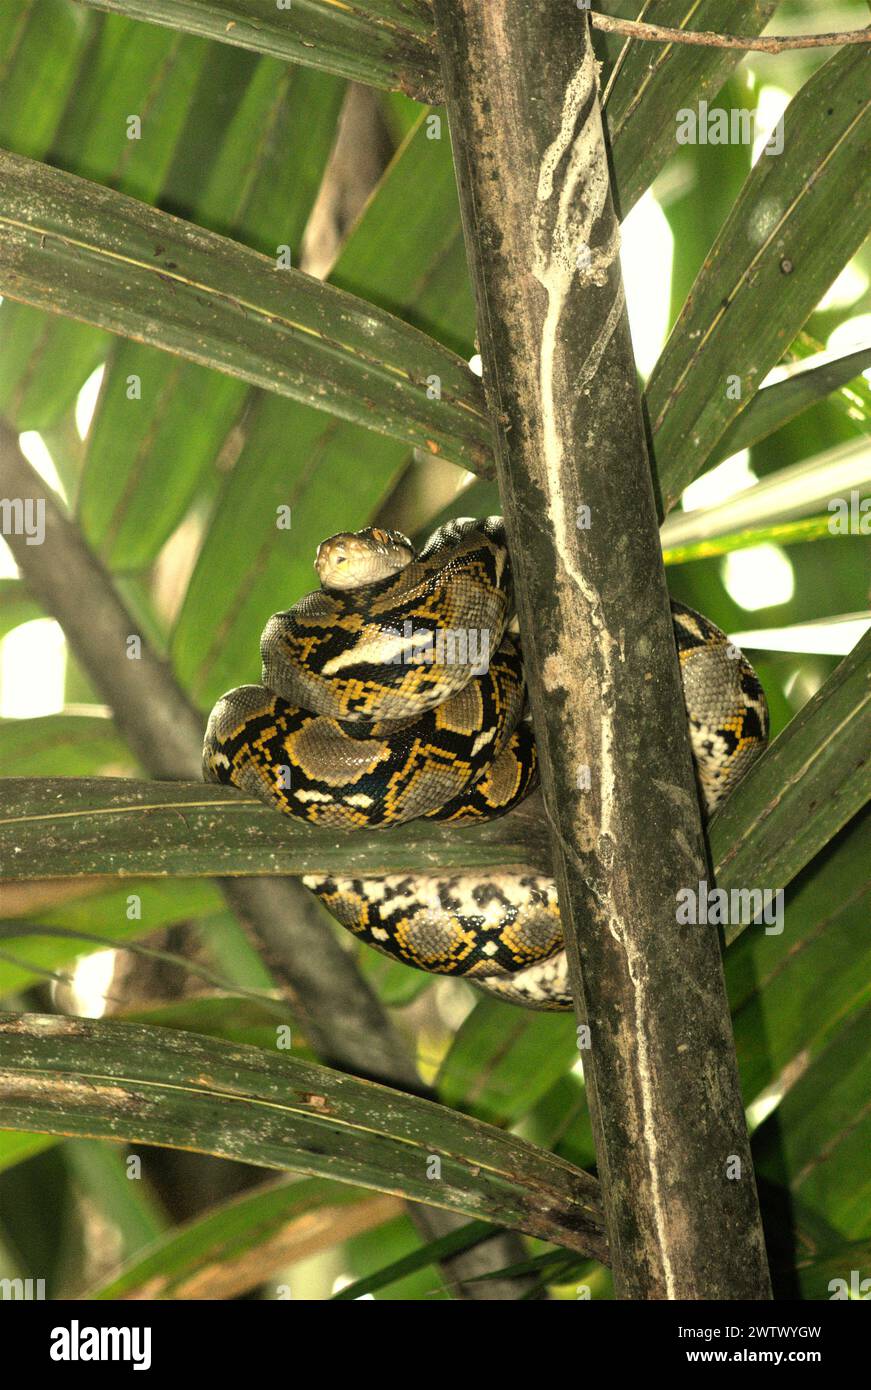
[[177, 494]]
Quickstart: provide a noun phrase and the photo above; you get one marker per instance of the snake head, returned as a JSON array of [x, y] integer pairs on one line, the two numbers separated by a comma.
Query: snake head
[[352, 559]]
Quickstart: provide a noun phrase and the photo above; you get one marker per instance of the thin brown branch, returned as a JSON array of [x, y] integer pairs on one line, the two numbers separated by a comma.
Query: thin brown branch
[[772, 43]]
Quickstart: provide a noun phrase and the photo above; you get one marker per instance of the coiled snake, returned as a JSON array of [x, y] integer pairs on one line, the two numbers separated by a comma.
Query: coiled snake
[[395, 692]]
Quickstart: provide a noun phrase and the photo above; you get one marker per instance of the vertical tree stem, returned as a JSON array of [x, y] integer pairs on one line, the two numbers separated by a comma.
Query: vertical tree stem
[[542, 238]]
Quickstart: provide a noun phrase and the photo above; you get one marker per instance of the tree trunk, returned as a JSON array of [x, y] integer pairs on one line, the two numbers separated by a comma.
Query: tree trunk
[[542, 237]]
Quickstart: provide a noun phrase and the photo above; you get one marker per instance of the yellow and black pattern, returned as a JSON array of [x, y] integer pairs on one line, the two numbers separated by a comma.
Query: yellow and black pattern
[[351, 654], [511, 776], [726, 707], [348, 775], [460, 925], [353, 727]]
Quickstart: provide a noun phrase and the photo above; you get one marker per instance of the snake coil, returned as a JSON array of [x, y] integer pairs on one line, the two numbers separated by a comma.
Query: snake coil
[[396, 691]]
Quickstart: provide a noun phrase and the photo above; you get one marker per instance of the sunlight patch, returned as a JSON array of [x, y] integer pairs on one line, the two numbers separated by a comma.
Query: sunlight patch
[[32, 670], [86, 401], [760, 577]]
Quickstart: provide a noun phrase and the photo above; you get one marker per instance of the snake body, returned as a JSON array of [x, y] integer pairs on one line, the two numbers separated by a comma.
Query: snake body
[[396, 691]]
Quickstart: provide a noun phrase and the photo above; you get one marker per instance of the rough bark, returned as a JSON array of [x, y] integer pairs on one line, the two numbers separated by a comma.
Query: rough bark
[[542, 238]]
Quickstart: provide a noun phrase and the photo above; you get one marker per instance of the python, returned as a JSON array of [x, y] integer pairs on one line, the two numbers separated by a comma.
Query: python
[[339, 735]]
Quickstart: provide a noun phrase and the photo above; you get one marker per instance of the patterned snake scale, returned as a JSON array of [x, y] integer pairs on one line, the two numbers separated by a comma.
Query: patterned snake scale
[[395, 692]]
